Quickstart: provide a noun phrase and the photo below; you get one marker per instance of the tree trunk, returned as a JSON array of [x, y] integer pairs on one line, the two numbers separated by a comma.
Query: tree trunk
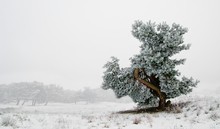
[[34, 102], [18, 101], [151, 84], [23, 102], [46, 103]]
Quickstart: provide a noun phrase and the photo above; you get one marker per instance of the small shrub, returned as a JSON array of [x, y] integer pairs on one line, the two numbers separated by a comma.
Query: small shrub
[[206, 112], [198, 113], [150, 121], [211, 109], [218, 105], [175, 108], [21, 118], [185, 115], [62, 123], [214, 116], [178, 117], [89, 118], [61, 120], [106, 126], [8, 121], [137, 121]]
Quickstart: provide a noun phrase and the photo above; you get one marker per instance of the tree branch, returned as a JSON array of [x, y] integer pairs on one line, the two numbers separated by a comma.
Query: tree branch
[[146, 83]]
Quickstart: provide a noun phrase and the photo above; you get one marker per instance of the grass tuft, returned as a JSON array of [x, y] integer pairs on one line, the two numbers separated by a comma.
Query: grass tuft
[[8, 121], [137, 121]]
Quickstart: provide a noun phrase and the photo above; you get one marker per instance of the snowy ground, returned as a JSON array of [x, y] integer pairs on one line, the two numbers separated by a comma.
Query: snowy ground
[[188, 112]]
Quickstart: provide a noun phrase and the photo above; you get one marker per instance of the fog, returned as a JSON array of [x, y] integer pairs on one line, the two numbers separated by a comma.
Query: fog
[[67, 42]]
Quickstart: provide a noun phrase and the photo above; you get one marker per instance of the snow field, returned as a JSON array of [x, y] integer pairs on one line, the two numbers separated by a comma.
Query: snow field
[[187, 112]]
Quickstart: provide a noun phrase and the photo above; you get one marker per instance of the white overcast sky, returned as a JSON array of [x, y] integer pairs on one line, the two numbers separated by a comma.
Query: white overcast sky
[[67, 42]]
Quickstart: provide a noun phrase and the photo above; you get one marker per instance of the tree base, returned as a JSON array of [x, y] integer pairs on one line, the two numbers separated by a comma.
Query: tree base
[[147, 110], [143, 110]]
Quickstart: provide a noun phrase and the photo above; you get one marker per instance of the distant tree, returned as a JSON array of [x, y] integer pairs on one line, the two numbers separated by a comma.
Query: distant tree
[[153, 72], [34, 92], [27, 91], [54, 93], [3, 93], [88, 95]]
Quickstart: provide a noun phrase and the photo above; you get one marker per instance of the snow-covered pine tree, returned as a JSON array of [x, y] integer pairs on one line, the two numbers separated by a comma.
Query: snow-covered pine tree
[[152, 74]]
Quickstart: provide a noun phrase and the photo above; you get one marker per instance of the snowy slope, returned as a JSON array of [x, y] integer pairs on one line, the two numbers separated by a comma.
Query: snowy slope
[[187, 112]]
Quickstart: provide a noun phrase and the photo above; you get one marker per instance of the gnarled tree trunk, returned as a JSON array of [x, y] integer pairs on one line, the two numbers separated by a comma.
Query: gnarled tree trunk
[[153, 83]]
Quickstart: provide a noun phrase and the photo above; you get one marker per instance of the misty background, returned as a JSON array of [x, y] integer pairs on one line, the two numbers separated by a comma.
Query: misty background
[[66, 43]]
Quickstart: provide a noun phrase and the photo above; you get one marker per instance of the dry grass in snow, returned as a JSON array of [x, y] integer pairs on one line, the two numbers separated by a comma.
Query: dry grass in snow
[[186, 112]]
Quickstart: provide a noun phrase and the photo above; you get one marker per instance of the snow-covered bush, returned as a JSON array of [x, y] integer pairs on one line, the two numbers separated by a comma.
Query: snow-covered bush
[[8, 121]]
